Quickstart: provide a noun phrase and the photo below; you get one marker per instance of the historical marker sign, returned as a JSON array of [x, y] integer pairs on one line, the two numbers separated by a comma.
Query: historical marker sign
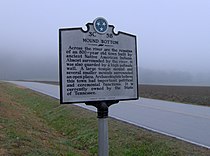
[[97, 64]]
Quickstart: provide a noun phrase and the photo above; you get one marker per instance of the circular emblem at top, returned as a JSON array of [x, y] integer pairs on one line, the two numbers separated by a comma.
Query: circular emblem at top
[[100, 25]]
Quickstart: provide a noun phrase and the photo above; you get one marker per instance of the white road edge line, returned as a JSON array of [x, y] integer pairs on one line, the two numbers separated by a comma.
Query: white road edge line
[[151, 129], [138, 125], [161, 132]]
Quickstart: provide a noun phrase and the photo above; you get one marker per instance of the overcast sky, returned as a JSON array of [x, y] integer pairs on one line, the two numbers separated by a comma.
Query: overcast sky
[[172, 34]]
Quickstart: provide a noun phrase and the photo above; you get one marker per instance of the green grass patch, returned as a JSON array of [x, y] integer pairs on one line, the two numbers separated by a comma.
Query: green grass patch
[[36, 124]]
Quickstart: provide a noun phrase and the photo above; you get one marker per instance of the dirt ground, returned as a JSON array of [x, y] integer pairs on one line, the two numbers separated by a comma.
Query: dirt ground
[[198, 95]]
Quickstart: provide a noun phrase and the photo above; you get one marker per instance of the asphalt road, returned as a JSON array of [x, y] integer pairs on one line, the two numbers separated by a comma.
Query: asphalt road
[[183, 121]]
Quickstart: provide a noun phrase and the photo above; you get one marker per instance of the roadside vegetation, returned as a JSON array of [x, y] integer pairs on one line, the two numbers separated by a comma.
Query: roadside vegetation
[[35, 124]]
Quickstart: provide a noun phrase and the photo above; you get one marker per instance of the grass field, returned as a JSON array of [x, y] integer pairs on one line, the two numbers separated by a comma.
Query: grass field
[[35, 124]]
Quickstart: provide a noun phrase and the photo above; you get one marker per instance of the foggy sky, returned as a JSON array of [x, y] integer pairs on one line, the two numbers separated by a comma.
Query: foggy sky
[[173, 35]]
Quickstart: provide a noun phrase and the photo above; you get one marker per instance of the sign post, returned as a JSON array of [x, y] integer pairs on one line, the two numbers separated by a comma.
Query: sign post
[[97, 67], [102, 110]]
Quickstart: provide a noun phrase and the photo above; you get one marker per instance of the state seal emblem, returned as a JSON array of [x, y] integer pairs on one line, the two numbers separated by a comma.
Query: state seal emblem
[[100, 25]]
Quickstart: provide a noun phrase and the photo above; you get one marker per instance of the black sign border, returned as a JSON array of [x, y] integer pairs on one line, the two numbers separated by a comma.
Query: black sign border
[[60, 64]]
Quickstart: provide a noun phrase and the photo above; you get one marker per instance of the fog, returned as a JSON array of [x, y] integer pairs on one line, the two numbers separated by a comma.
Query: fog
[[173, 36], [173, 77]]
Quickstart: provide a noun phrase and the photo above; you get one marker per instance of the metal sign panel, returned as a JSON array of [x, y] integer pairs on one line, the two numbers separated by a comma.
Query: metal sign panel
[[97, 64]]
